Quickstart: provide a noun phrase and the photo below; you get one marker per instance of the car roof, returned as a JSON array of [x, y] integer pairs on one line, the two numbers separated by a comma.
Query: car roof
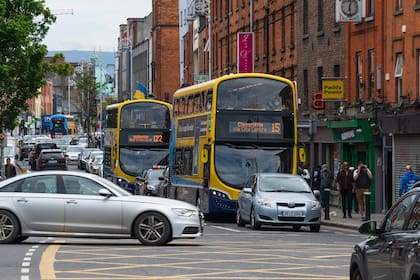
[[51, 151]]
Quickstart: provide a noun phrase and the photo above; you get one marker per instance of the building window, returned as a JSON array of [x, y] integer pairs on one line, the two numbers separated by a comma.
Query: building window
[[418, 73], [320, 16], [337, 70], [320, 75], [398, 5], [371, 81], [370, 8], [305, 89], [305, 17], [359, 75], [398, 77]]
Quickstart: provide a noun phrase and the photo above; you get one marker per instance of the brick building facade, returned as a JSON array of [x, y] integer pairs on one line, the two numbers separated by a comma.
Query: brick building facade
[[165, 41]]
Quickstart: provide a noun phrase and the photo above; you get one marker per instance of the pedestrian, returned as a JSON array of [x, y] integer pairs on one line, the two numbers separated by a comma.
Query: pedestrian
[[362, 179], [345, 185], [407, 180], [326, 183], [353, 195], [316, 178], [306, 175], [10, 169]]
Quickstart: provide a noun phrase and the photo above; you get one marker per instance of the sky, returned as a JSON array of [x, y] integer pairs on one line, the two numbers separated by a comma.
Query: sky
[[94, 24]]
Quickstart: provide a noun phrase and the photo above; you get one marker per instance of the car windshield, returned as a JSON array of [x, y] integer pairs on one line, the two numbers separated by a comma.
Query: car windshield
[[283, 184], [135, 161], [74, 149], [155, 174], [52, 155], [98, 159]]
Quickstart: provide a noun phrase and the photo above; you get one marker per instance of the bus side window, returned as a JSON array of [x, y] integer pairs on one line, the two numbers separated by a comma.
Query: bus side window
[[202, 98], [209, 100], [182, 106], [176, 106], [190, 104]]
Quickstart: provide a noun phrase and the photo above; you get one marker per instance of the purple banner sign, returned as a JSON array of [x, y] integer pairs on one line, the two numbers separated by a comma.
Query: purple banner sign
[[245, 43]]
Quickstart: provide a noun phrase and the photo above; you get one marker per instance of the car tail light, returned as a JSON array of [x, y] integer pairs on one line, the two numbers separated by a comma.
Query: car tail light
[[43, 160]]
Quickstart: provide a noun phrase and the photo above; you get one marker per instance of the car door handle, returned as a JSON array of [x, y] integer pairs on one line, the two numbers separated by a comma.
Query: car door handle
[[71, 202], [22, 200]]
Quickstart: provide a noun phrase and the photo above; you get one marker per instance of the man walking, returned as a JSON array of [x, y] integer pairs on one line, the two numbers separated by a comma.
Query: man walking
[[10, 169], [408, 180], [345, 185], [362, 179], [326, 182]]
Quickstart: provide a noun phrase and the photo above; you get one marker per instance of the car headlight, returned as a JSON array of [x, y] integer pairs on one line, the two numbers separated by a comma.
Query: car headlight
[[264, 202], [184, 212], [315, 204], [151, 187]]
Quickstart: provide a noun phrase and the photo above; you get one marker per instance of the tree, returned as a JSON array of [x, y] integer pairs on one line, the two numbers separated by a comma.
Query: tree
[[23, 26]]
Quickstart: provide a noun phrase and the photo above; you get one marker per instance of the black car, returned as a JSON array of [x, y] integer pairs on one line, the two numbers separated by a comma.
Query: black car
[[51, 159], [25, 150], [393, 250], [37, 150]]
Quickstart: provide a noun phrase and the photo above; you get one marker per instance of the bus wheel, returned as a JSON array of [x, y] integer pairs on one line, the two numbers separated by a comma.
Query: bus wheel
[[152, 228]]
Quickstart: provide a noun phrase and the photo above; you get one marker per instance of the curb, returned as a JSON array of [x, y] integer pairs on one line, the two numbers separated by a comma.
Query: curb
[[340, 225]]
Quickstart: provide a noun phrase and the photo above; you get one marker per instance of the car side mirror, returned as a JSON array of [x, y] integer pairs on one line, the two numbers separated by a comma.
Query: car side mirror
[[368, 228], [105, 193], [247, 190]]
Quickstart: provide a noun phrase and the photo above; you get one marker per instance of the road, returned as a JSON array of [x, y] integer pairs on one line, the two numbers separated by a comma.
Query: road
[[224, 252]]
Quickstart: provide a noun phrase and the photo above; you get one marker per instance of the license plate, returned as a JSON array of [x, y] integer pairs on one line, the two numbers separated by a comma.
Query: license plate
[[292, 214], [52, 161]]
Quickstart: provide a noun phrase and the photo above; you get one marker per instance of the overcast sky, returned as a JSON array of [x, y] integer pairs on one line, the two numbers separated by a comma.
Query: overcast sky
[[94, 24]]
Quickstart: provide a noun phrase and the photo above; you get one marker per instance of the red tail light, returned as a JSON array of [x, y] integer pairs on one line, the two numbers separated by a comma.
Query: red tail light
[[43, 160]]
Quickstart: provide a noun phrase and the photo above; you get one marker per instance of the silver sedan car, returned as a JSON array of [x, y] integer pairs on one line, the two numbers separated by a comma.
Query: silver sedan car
[[278, 199], [74, 204]]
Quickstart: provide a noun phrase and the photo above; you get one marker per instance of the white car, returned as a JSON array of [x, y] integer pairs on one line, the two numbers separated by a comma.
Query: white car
[[76, 204], [72, 153], [95, 166], [91, 158]]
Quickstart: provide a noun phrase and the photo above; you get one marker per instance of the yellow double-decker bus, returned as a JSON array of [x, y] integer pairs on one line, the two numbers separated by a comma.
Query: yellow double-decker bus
[[136, 137], [226, 129]]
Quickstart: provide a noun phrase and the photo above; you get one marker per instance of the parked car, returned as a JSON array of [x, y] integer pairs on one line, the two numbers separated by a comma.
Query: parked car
[[37, 149], [76, 204], [278, 199], [150, 181], [51, 159], [97, 165], [392, 250], [25, 150], [91, 158], [72, 153], [81, 163]]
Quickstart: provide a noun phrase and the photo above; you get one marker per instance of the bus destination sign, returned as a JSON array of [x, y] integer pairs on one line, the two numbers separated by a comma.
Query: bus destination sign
[[255, 127], [144, 138]]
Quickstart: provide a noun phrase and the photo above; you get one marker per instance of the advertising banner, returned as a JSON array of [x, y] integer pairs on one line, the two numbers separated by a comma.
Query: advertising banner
[[245, 43]]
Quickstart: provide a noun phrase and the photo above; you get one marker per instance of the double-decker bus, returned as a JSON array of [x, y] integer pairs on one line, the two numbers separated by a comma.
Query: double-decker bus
[[224, 130], [71, 124], [136, 138], [58, 126]]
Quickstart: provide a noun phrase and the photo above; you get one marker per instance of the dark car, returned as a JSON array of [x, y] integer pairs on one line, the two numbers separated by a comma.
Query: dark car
[[25, 150], [37, 150], [393, 250], [150, 181], [51, 159]]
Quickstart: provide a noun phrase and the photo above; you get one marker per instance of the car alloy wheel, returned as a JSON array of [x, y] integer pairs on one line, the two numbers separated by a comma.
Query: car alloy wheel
[[239, 221], [9, 227], [254, 223], [152, 228]]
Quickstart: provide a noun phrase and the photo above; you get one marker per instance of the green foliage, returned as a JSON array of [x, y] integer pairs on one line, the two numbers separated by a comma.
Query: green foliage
[[23, 26]]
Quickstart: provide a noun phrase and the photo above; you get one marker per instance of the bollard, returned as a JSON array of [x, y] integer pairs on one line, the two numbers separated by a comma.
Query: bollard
[[367, 205], [327, 203]]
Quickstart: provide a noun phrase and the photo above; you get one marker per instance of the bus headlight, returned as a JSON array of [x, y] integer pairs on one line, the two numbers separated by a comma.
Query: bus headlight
[[219, 194], [122, 182]]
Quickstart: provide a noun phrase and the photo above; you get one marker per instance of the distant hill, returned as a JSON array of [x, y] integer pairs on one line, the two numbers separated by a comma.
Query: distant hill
[[107, 59]]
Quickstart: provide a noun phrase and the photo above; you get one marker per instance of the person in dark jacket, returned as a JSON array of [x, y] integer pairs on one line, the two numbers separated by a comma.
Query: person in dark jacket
[[345, 185], [362, 179], [407, 180], [9, 169], [326, 182]]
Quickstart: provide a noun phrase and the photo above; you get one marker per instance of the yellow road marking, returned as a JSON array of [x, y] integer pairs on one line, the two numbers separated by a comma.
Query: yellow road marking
[[46, 265]]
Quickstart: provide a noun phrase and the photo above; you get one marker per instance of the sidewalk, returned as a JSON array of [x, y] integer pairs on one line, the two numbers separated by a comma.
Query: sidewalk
[[337, 220]]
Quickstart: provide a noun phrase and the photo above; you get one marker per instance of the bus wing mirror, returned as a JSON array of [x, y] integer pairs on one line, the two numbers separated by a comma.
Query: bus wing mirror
[[204, 156]]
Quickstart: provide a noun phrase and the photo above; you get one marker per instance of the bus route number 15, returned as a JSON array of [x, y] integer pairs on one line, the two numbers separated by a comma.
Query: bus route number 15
[[275, 128]]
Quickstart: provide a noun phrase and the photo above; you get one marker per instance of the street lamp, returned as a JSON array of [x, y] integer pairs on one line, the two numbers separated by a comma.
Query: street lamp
[[70, 83], [129, 45]]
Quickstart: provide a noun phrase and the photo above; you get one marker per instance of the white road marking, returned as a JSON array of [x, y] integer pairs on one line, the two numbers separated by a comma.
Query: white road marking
[[226, 228]]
